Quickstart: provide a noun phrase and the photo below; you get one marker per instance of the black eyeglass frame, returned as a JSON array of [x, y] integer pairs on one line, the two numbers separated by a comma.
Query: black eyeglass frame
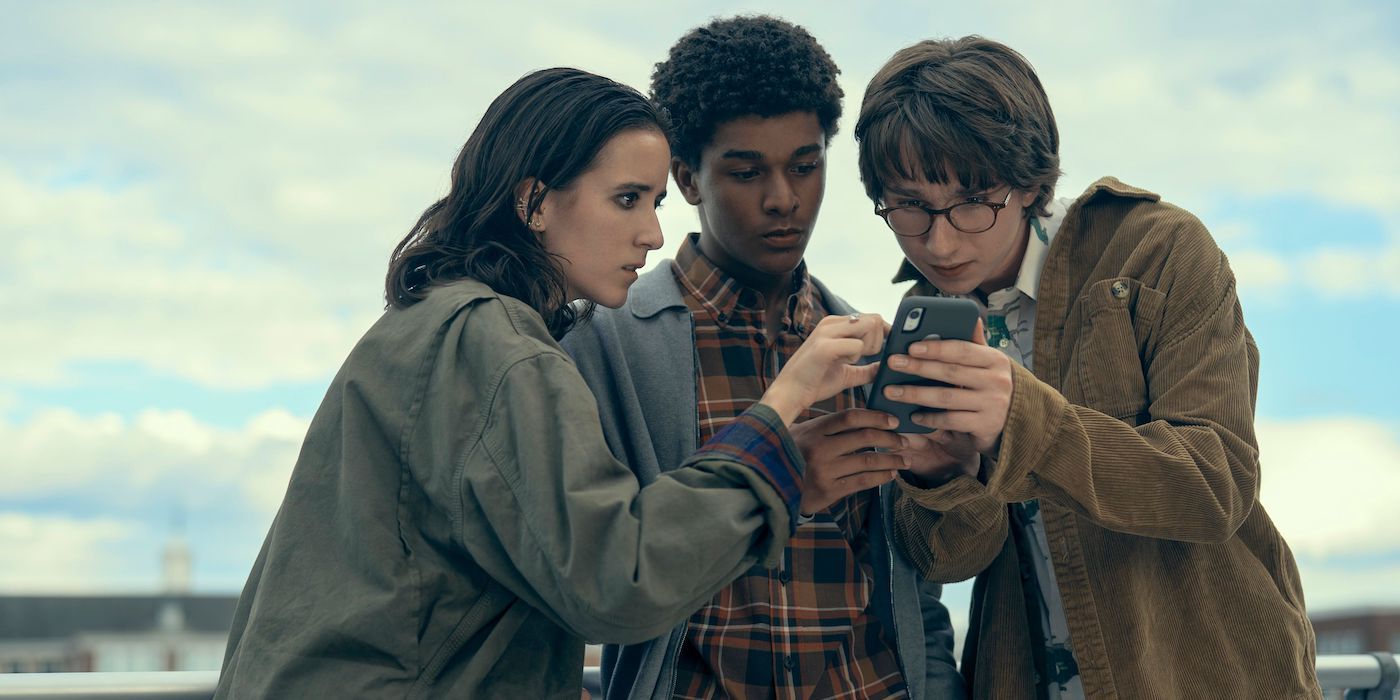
[[947, 213]]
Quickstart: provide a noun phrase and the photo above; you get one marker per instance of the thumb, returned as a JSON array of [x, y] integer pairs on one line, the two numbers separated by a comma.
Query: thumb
[[861, 374], [979, 334]]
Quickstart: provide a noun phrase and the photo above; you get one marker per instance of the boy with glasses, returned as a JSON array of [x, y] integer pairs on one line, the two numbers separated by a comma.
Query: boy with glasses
[[1094, 462], [754, 103]]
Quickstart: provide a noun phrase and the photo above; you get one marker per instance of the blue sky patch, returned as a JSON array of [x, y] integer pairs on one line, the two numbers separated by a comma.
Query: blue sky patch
[[1294, 224], [127, 388]]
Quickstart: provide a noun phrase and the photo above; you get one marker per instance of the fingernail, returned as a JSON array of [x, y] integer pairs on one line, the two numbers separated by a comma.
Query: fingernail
[[904, 459], [918, 349], [898, 361], [894, 392], [903, 441], [892, 421]]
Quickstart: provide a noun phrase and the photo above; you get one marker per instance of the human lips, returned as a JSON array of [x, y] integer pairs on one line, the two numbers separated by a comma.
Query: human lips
[[950, 270], [784, 237]]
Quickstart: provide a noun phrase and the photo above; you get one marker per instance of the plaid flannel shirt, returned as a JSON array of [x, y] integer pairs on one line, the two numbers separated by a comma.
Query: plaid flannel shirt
[[804, 629]]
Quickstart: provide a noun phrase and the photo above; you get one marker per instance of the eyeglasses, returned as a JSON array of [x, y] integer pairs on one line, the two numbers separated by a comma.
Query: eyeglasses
[[914, 220]]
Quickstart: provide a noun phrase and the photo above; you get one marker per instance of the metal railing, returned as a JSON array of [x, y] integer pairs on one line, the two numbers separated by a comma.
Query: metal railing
[[1371, 676], [159, 685], [1364, 676]]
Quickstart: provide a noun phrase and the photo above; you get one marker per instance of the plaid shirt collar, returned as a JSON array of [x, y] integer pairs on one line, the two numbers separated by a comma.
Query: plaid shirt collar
[[731, 304]]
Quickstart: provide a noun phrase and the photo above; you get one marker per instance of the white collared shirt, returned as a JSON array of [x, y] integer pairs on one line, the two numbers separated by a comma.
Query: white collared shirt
[[1009, 319]]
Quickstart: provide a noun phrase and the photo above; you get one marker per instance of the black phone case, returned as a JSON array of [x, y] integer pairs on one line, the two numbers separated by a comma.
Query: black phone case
[[943, 317]]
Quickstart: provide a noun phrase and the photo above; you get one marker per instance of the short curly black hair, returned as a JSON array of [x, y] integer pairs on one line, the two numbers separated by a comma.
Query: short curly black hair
[[740, 66]]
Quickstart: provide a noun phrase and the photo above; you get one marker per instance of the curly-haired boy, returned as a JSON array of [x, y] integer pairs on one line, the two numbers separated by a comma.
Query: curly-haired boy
[[754, 103]]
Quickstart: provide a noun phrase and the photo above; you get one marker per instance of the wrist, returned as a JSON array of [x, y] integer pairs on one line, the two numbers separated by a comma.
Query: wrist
[[783, 403]]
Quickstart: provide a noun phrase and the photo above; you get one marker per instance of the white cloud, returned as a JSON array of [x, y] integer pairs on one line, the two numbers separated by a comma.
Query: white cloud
[[1260, 272], [1352, 273], [1332, 586], [160, 459], [244, 173], [61, 555], [1199, 115], [85, 500], [1330, 484], [102, 275], [1335, 273]]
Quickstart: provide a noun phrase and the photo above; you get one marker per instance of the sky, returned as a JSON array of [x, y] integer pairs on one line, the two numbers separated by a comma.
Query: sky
[[198, 202]]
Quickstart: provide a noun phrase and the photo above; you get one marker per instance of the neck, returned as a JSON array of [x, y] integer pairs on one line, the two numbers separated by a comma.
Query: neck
[[1007, 275], [774, 289]]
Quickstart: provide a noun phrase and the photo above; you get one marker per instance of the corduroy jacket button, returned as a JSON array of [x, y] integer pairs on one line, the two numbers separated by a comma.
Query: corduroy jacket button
[[1120, 290]]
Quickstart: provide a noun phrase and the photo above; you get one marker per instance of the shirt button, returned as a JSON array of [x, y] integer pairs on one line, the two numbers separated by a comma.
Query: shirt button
[[1120, 290], [789, 662], [784, 577], [1003, 343]]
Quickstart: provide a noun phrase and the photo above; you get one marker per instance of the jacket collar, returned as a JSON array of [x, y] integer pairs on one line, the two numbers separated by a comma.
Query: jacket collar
[[657, 290], [730, 302]]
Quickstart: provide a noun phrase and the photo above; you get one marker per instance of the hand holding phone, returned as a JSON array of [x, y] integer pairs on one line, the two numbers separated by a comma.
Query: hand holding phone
[[919, 318]]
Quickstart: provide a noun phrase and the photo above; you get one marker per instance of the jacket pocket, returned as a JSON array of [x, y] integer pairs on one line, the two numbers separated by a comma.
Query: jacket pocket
[[488, 606], [1115, 346]]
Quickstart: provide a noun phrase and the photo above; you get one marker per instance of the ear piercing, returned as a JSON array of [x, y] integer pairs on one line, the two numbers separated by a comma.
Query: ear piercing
[[533, 223]]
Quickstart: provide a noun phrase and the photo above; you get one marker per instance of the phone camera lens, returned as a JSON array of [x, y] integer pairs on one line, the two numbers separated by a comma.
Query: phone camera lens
[[911, 322]]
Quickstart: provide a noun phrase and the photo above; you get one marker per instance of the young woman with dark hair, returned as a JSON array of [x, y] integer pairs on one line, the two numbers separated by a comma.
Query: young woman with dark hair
[[456, 523]]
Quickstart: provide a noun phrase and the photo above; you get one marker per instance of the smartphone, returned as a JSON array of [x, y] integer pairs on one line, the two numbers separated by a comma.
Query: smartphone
[[919, 318]]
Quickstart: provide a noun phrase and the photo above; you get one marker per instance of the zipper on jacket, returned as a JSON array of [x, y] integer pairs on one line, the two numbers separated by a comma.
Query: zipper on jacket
[[894, 612], [676, 659]]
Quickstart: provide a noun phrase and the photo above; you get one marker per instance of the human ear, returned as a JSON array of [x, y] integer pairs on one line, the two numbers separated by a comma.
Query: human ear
[[524, 191], [686, 177]]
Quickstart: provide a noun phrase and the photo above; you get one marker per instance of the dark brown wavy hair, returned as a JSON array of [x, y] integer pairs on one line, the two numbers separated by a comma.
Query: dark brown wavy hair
[[547, 127], [971, 103]]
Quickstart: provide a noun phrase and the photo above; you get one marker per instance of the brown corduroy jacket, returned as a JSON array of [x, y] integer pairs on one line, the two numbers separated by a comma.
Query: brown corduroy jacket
[[1136, 433]]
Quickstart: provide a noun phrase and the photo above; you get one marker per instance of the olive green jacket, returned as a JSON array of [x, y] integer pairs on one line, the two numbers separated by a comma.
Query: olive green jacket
[[456, 526], [1136, 433]]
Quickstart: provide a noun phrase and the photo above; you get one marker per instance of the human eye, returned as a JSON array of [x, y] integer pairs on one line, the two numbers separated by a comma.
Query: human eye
[[659, 200], [627, 200], [806, 168], [744, 175]]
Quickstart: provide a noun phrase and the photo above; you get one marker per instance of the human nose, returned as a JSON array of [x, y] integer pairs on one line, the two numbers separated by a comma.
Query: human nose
[[650, 236], [941, 239], [780, 198]]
